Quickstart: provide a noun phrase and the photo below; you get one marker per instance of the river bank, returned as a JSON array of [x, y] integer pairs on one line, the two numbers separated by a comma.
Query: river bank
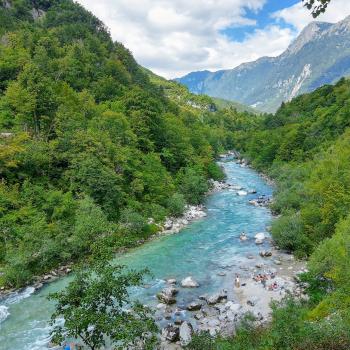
[[210, 250], [171, 225], [268, 277]]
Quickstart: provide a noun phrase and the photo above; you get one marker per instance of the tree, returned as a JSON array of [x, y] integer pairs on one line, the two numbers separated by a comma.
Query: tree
[[316, 6], [96, 309]]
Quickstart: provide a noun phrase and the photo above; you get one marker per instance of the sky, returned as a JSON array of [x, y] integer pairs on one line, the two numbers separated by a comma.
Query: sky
[[175, 37]]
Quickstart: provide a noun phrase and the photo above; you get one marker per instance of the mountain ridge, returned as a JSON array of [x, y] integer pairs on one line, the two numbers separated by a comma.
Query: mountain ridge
[[319, 55]]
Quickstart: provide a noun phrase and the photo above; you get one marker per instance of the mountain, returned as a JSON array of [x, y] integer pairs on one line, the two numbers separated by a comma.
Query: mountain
[[183, 97], [319, 55]]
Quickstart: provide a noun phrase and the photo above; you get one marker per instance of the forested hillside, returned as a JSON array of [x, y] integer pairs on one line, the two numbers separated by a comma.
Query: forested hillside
[[90, 149], [305, 147]]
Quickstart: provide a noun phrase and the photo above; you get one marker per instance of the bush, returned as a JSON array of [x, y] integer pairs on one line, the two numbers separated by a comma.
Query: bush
[[288, 232], [176, 204], [215, 172], [134, 222], [193, 184]]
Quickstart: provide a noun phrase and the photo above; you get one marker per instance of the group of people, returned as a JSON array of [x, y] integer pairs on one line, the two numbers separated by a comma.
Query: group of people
[[263, 278]]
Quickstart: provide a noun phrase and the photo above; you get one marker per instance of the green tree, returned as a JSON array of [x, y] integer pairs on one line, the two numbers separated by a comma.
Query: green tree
[[96, 306]]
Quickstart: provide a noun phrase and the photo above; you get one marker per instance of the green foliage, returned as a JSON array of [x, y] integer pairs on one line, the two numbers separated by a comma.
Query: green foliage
[[176, 204], [215, 172], [290, 329], [305, 147], [91, 145], [96, 307], [192, 184], [317, 7]]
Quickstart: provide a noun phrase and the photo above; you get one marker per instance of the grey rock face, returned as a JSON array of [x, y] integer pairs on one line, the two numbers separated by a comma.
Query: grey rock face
[[320, 55]]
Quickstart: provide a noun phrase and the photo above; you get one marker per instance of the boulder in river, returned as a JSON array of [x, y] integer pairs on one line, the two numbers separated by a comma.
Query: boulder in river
[[265, 253], [243, 236], [185, 333], [259, 238], [194, 306], [171, 281], [167, 295], [189, 282]]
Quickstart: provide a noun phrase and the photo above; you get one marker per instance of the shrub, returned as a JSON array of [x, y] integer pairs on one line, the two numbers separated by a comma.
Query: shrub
[[176, 204]]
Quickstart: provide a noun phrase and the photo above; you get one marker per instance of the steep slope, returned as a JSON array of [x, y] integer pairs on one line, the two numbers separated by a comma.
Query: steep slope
[[320, 55], [90, 148]]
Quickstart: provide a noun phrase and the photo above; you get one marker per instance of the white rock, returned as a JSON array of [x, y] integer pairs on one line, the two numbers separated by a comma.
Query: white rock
[[189, 282], [186, 331], [260, 235], [242, 193], [213, 331], [171, 281], [234, 307], [213, 322]]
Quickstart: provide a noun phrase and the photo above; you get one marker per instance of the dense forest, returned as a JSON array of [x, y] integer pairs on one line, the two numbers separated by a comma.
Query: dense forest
[[96, 151], [92, 146], [305, 148]]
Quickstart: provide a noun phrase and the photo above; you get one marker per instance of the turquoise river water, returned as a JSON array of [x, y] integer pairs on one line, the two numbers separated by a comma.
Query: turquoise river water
[[202, 250]]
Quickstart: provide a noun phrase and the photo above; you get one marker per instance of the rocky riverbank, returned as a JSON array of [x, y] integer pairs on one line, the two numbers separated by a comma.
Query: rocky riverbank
[[269, 277]]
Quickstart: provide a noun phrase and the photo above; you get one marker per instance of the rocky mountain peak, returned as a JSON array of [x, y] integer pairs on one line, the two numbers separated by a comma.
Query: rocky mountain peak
[[308, 34]]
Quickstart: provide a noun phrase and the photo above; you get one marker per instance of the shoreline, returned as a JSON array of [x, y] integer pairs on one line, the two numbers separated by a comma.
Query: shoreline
[[171, 225], [222, 312]]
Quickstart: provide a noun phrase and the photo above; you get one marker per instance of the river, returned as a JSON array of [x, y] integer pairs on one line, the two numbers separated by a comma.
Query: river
[[203, 249]]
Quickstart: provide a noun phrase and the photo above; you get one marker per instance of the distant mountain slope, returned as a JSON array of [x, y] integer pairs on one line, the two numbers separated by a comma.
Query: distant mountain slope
[[320, 55], [239, 107]]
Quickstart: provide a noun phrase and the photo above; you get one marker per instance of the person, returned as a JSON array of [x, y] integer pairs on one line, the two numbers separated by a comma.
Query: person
[[243, 236], [237, 282]]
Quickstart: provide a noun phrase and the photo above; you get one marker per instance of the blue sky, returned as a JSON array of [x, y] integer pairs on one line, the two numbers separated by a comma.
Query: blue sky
[[263, 19], [175, 37]]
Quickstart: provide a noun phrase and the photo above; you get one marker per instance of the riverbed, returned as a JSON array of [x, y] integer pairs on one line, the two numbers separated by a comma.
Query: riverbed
[[208, 249]]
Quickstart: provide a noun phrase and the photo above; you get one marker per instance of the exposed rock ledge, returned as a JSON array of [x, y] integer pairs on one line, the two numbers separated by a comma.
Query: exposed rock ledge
[[174, 225]]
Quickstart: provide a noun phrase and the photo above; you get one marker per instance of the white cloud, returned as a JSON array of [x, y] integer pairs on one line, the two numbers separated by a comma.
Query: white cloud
[[299, 17], [174, 37]]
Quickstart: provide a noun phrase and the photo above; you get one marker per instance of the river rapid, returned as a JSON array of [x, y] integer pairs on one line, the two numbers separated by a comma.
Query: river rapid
[[208, 249]]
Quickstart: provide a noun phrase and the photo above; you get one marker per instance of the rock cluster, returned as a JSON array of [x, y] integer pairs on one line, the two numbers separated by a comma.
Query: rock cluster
[[174, 225], [167, 295], [40, 281], [261, 201]]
